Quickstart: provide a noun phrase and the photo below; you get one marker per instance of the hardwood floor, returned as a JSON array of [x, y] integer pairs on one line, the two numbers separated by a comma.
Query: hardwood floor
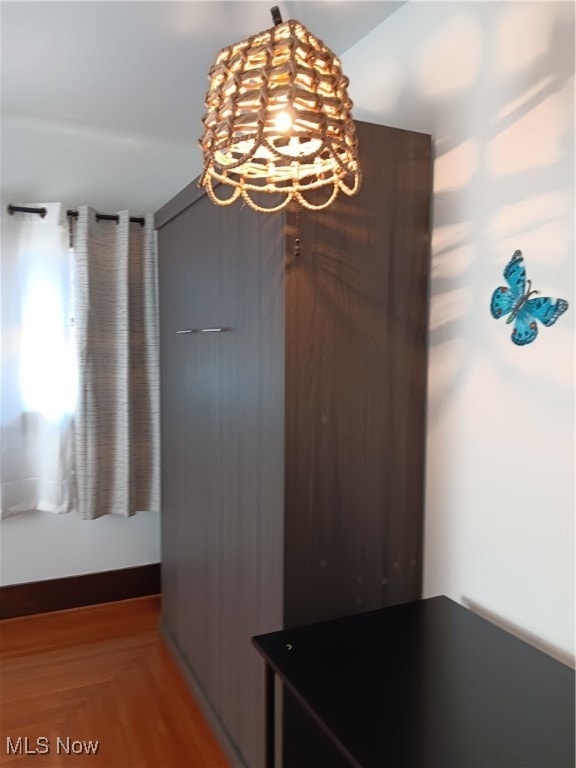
[[98, 674]]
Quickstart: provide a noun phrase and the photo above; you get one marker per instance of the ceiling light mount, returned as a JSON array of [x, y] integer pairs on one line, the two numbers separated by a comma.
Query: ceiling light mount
[[276, 15], [278, 121]]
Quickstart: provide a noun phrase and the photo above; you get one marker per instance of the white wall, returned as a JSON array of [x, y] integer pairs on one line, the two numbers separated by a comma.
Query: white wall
[[82, 165], [494, 85], [39, 545]]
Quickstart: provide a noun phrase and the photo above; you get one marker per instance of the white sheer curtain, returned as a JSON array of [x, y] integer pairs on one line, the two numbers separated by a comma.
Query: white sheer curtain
[[38, 374]]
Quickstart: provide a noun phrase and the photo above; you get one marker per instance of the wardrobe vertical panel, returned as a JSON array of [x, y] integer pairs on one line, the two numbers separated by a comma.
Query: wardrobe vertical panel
[[190, 292], [356, 305], [202, 505], [252, 465], [171, 248], [408, 309]]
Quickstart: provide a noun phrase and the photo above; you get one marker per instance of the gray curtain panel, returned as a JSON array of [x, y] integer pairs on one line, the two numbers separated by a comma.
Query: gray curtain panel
[[116, 426]]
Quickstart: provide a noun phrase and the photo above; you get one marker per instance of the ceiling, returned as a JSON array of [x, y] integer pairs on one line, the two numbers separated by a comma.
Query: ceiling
[[102, 101]]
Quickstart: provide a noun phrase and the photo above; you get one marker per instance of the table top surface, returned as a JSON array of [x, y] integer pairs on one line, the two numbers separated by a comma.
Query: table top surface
[[429, 684]]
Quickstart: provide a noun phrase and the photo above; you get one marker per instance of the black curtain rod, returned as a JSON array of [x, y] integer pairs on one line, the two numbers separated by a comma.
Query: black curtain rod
[[110, 217], [12, 209]]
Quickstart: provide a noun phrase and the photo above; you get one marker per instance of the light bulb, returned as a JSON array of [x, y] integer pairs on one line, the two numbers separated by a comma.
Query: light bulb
[[283, 122]]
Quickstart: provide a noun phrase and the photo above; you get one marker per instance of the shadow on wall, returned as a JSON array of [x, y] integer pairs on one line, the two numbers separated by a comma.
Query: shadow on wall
[[518, 632], [497, 189], [493, 84]]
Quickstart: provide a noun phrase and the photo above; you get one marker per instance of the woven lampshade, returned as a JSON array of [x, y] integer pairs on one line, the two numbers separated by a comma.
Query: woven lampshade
[[278, 120]]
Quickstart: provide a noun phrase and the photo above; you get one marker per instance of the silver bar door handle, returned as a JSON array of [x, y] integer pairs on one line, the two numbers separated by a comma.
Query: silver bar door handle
[[203, 330]]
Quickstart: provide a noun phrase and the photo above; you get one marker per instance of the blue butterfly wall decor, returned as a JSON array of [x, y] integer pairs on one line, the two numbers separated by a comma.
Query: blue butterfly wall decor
[[514, 300]]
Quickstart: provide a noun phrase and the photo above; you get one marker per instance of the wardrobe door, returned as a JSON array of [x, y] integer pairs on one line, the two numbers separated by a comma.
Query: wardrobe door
[[191, 301], [252, 251], [223, 540], [204, 307]]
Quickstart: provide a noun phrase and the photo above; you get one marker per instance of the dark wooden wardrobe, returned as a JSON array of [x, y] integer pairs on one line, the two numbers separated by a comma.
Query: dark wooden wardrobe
[[292, 438]]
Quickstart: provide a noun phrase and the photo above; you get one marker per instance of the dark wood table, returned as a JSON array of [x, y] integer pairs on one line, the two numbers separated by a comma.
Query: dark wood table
[[425, 684]]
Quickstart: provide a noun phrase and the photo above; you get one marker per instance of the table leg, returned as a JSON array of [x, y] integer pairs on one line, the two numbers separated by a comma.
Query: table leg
[[270, 718]]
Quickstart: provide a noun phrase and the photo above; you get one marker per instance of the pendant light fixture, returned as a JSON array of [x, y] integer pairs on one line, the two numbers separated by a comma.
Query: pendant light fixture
[[278, 121]]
